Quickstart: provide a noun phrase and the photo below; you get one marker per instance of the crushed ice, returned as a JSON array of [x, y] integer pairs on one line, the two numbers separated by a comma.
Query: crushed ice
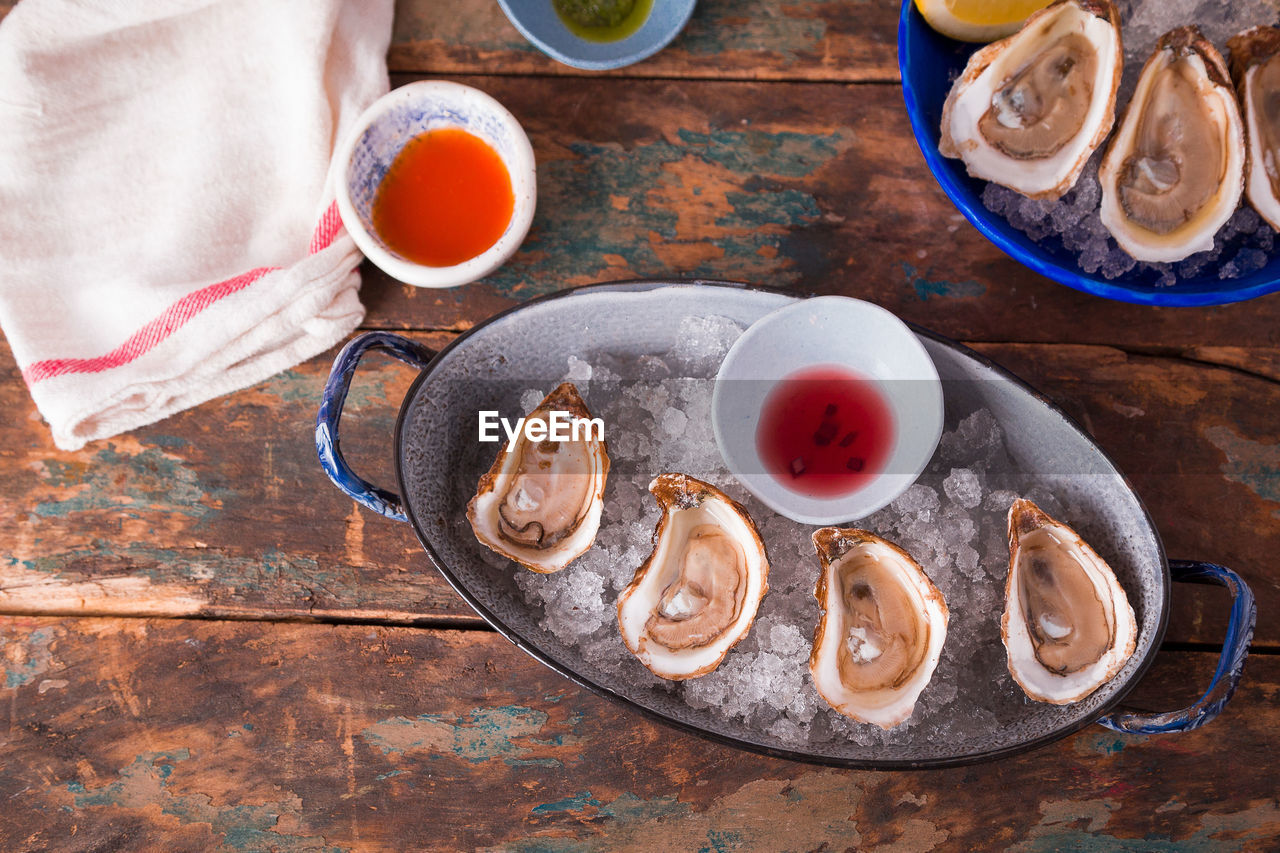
[[952, 521]]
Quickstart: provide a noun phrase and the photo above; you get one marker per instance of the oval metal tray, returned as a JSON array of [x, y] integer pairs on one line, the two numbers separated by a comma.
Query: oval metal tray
[[439, 462]]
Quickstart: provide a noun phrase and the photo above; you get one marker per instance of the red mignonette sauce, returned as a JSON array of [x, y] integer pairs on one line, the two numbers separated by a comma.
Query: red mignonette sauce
[[825, 431]]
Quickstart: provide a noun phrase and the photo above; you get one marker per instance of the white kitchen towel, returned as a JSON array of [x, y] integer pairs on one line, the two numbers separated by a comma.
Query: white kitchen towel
[[167, 225]]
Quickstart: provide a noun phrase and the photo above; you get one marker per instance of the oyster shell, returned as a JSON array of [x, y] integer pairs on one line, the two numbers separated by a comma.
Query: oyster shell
[[1174, 172], [882, 627], [697, 594], [1255, 68], [540, 503], [1028, 111], [1067, 624]]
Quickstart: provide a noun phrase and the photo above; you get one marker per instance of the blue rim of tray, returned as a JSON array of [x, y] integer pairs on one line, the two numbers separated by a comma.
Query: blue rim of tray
[[966, 193]]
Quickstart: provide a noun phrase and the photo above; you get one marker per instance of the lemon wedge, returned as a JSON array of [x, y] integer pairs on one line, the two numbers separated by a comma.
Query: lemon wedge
[[978, 20]]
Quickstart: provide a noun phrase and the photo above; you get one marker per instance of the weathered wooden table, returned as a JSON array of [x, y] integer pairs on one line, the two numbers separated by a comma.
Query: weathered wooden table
[[205, 645]]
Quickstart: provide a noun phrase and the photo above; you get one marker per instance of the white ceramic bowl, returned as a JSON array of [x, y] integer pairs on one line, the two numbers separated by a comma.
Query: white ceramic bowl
[[391, 121], [828, 330]]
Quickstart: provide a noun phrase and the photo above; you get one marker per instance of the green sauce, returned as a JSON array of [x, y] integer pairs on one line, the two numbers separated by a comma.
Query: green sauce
[[603, 20]]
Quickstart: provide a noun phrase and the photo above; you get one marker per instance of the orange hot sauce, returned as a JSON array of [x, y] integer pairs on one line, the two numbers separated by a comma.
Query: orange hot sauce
[[446, 198]]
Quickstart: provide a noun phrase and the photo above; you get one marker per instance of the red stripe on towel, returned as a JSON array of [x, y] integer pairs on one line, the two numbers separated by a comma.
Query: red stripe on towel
[[175, 316], [327, 229], [145, 339]]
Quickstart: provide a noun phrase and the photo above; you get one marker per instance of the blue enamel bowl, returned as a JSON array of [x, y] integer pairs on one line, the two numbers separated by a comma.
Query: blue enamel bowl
[[538, 22], [930, 62]]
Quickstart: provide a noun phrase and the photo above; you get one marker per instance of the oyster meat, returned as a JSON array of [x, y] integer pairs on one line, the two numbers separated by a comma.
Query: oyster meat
[[697, 594], [1067, 624], [1028, 111], [1255, 68], [1174, 172], [882, 627], [541, 501]]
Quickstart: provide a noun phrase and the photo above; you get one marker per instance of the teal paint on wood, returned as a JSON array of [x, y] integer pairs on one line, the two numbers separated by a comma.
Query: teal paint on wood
[[483, 734], [752, 26], [781, 207], [759, 816], [1069, 825], [26, 656], [609, 204], [137, 785], [131, 483], [577, 224], [1252, 463], [628, 808], [757, 153], [568, 804], [926, 288], [172, 441], [268, 571], [1105, 743], [248, 828], [722, 842]]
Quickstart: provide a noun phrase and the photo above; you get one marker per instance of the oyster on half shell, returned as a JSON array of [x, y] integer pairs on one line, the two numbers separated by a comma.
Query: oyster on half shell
[[1174, 171], [540, 503], [882, 627], [697, 594], [1028, 111], [1067, 624], [1255, 68]]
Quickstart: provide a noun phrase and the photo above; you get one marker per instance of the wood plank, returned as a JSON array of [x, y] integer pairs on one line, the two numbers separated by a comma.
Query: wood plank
[[1260, 361], [163, 734], [756, 39], [813, 187], [725, 39], [224, 511]]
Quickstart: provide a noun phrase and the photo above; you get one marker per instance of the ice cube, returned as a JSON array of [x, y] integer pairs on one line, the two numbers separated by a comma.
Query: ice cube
[[962, 486], [579, 371], [530, 399], [673, 422], [999, 500], [701, 343], [918, 501]]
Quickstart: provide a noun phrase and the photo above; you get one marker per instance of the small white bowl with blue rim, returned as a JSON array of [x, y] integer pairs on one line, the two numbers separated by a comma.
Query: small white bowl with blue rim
[[858, 336], [386, 127]]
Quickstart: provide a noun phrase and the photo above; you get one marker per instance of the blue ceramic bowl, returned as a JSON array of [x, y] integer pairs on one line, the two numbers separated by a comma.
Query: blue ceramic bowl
[[930, 62], [538, 22]]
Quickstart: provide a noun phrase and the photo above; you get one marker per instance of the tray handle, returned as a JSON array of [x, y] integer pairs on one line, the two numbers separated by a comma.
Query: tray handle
[[381, 501], [1235, 648]]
